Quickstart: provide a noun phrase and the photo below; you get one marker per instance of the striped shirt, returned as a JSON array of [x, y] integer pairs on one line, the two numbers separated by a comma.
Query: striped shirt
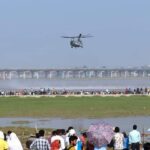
[[40, 144]]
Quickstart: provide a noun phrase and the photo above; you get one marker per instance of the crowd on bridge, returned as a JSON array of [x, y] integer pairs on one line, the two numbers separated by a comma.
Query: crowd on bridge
[[72, 92], [70, 139]]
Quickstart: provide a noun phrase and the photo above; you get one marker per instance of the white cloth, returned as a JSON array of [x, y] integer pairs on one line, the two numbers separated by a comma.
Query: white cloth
[[62, 141], [1, 135], [72, 132], [134, 137], [13, 142]]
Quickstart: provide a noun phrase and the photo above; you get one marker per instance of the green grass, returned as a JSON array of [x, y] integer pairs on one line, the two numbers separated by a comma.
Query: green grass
[[74, 107]]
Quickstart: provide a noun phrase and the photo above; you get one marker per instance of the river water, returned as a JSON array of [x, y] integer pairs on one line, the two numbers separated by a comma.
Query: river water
[[125, 123]]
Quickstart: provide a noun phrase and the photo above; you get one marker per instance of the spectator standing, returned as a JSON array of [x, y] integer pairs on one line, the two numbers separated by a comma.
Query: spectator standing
[[125, 141], [118, 139], [40, 143], [135, 138], [84, 139]]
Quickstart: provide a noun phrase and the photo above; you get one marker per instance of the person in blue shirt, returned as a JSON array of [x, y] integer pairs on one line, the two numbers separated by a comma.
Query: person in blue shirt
[[125, 141]]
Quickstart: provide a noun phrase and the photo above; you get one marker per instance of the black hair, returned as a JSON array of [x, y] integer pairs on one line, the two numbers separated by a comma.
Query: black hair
[[117, 129], [41, 133], [134, 127], [124, 134], [37, 135], [72, 138], [9, 132], [63, 131], [147, 146], [84, 134], [69, 128], [54, 132]]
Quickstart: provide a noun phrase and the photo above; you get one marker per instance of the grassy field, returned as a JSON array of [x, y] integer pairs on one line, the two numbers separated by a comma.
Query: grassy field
[[74, 107]]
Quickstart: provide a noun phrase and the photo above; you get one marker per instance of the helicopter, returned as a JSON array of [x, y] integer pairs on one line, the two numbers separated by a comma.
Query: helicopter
[[76, 41]]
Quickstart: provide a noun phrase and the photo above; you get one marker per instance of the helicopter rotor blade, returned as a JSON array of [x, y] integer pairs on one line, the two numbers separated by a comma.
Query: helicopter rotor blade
[[71, 37], [67, 37], [86, 36], [79, 36]]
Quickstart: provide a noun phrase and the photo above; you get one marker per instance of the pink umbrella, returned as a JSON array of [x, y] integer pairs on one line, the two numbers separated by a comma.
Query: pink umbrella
[[100, 134]]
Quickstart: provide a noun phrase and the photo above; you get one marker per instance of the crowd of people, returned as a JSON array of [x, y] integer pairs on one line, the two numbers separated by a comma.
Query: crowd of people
[[49, 92], [61, 139], [70, 140]]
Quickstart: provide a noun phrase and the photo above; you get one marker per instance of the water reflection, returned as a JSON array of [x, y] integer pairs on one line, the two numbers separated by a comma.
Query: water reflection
[[125, 123]]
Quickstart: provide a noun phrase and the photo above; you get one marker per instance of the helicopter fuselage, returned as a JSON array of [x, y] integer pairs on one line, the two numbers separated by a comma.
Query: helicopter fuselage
[[76, 43]]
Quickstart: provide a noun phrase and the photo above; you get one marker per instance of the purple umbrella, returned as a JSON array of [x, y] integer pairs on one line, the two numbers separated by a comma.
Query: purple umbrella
[[100, 134]]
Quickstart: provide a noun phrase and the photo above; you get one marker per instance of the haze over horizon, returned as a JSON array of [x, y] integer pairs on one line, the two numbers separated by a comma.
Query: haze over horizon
[[31, 30]]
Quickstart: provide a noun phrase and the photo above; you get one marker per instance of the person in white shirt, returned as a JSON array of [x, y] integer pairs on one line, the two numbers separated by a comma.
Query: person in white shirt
[[135, 138]]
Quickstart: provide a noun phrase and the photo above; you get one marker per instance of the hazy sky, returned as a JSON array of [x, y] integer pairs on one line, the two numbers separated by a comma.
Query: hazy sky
[[31, 30]]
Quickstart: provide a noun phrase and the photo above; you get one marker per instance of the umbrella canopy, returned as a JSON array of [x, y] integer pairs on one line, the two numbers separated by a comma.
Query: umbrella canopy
[[100, 134]]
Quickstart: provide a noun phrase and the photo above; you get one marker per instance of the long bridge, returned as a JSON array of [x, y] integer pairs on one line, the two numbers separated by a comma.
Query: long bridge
[[74, 73]]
